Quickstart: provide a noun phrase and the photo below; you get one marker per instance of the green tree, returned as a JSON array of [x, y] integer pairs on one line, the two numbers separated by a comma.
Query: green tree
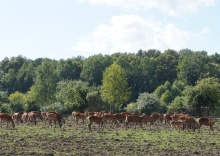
[[32, 99], [114, 89], [166, 97], [193, 66], [3, 97], [206, 93], [18, 101], [70, 69], [5, 108], [93, 67], [72, 95], [167, 85], [95, 102], [10, 68], [159, 90], [166, 65], [46, 82], [178, 104], [130, 63], [148, 103], [26, 75], [132, 107]]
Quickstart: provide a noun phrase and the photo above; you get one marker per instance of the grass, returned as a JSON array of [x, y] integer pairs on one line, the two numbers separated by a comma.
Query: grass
[[74, 139]]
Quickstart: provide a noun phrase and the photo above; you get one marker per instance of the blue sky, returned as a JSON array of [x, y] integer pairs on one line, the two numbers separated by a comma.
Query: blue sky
[[61, 29]]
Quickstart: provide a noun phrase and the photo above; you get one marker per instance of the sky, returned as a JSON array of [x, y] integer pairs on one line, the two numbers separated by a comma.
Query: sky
[[62, 29]]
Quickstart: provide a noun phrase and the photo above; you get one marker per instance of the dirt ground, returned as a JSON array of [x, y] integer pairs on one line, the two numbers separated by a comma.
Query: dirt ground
[[72, 140]]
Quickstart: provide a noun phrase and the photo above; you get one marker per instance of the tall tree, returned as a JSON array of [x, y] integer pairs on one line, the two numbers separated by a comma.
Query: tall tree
[[192, 66], [114, 89], [70, 69], [46, 81], [206, 93], [73, 95], [93, 67], [26, 75], [10, 69], [166, 65]]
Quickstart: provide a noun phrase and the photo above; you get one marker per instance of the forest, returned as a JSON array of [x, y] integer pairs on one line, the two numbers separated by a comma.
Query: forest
[[144, 82]]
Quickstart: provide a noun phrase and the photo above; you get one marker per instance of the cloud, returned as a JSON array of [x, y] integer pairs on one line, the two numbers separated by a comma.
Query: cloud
[[170, 7], [129, 33]]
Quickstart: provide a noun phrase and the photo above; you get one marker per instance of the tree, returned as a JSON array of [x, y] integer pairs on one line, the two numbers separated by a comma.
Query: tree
[[206, 93], [166, 97], [95, 102], [132, 107], [72, 95], [10, 69], [93, 68], [193, 66], [70, 69], [166, 65], [26, 75], [18, 101], [114, 89], [46, 82], [148, 103], [159, 90], [3, 97], [178, 104], [130, 63]]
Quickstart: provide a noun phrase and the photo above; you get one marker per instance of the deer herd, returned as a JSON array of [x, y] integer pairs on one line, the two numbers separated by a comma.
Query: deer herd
[[177, 121]]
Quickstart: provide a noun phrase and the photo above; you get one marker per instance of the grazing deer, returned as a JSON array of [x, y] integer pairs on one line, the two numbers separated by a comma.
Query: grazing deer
[[206, 122], [7, 118], [55, 118], [98, 120]]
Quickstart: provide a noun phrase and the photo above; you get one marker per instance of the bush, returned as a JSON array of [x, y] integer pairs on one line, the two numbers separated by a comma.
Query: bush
[[5, 108], [132, 107], [148, 103]]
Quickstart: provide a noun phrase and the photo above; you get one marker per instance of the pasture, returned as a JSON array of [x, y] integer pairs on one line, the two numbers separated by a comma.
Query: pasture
[[72, 139]]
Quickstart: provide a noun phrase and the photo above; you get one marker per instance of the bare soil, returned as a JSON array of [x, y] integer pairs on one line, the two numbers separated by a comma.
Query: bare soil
[[72, 140]]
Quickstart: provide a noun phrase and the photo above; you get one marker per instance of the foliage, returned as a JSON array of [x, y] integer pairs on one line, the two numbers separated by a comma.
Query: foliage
[[95, 102], [3, 97], [46, 82], [146, 71], [192, 67], [70, 69], [72, 95], [10, 68], [159, 90], [18, 101], [132, 107], [148, 103], [26, 75], [166, 97], [114, 89], [166, 65], [206, 93], [177, 105], [93, 67], [6, 108]]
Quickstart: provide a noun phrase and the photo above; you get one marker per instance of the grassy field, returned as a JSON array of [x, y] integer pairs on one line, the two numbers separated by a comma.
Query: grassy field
[[72, 139]]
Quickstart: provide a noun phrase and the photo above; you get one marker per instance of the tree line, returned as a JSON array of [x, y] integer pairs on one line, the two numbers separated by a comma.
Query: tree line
[[144, 82]]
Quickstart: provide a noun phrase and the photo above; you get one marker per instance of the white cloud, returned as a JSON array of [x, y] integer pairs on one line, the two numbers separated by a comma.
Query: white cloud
[[171, 7], [131, 32]]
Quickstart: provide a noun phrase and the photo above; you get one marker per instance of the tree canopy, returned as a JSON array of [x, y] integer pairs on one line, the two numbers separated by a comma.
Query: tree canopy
[[114, 89]]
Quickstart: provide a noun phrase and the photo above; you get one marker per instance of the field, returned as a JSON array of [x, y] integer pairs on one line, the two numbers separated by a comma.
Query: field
[[72, 140]]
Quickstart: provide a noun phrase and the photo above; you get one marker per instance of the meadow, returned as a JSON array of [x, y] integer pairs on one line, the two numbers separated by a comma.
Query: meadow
[[72, 139]]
